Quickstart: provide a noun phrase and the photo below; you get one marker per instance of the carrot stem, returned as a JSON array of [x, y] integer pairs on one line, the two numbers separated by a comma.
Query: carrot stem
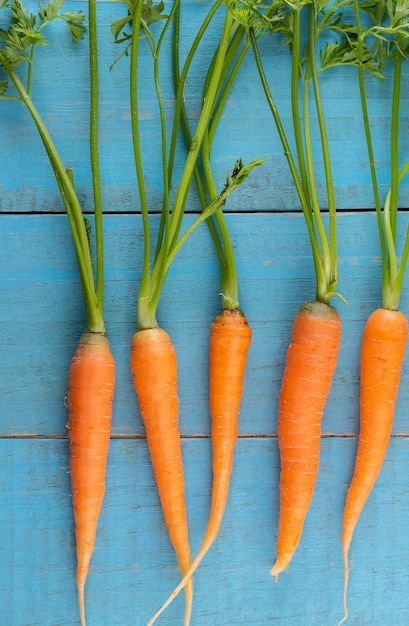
[[331, 257], [299, 179], [145, 319], [94, 315], [368, 137], [94, 151]]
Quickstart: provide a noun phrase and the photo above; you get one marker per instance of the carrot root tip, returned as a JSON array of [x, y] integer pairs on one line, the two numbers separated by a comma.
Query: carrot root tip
[[275, 571]]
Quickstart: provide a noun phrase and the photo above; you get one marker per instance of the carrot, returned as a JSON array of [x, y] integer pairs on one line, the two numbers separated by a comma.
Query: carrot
[[92, 369], [383, 349], [386, 331], [313, 352], [229, 342], [310, 365], [90, 393], [155, 380], [154, 371]]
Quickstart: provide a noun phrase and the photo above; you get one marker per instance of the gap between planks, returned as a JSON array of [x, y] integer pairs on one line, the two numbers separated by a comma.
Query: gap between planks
[[193, 436]]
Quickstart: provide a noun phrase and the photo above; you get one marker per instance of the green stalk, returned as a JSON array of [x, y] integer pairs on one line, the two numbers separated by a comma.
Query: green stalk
[[181, 82], [304, 201], [30, 61], [161, 265], [152, 282], [183, 187], [405, 253], [324, 273], [397, 79], [392, 273], [162, 118], [220, 234], [391, 207], [94, 151], [295, 75], [144, 321], [369, 143], [212, 208], [228, 270], [332, 277], [166, 184], [233, 47], [95, 321]]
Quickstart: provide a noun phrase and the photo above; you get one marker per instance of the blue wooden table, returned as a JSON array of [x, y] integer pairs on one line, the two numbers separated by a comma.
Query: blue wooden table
[[42, 316]]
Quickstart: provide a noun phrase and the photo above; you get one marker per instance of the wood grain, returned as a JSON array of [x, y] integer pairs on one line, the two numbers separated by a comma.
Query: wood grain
[[42, 298], [134, 567], [42, 317]]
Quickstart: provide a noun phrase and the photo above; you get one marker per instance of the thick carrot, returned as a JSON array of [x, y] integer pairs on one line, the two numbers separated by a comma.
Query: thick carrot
[[230, 339], [382, 353], [310, 365], [154, 371], [90, 393]]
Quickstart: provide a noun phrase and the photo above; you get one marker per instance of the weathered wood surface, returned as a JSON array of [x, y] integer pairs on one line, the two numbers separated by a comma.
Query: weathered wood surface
[[133, 566], [42, 317], [246, 129]]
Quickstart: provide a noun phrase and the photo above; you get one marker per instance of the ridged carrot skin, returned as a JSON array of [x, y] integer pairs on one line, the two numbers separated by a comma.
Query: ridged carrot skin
[[382, 353], [230, 339], [154, 371], [91, 385], [310, 364]]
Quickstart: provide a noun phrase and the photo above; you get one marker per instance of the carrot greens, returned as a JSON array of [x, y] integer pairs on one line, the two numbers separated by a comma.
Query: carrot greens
[[381, 37], [19, 42], [308, 61], [91, 377], [238, 47], [170, 239]]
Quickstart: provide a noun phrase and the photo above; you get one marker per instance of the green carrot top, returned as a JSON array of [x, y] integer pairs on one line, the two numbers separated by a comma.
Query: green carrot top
[[382, 38], [19, 40], [309, 59], [132, 29]]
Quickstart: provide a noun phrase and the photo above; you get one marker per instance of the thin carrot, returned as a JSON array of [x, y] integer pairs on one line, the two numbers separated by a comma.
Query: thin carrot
[[310, 364], [90, 393], [313, 352], [230, 335], [230, 340], [153, 360], [386, 331], [154, 371], [383, 349], [92, 370]]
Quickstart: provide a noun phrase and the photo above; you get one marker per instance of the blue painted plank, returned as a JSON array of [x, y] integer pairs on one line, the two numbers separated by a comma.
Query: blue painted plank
[[246, 129], [134, 568], [42, 316]]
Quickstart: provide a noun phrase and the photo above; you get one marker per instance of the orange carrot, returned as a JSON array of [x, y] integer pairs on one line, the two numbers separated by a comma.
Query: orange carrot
[[90, 393], [154, 371], [230, 340], [310, 365], [382, 353]]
